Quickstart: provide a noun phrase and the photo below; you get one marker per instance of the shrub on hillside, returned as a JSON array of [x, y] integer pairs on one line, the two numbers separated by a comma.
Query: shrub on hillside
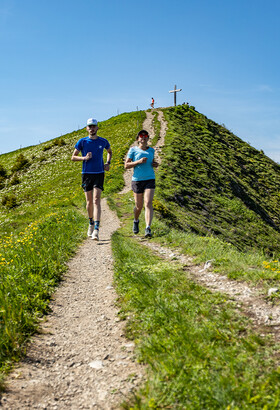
[[42, 158], [47, 147], [58, 142], [3, 172], [20, 163], [3, 176], [2, 182], [162, 210], [9, 201], [14, 180]]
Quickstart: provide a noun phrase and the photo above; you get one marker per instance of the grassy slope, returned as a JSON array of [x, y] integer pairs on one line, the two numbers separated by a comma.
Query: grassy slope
[[201, 352], [213, 183], [40, 233]]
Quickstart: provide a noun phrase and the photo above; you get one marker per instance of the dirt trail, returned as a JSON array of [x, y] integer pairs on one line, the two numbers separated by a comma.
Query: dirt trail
[[249, 299], [162, 133], [81, 359]]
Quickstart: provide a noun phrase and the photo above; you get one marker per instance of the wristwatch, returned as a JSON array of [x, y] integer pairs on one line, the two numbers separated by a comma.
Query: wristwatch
[[108, 162]]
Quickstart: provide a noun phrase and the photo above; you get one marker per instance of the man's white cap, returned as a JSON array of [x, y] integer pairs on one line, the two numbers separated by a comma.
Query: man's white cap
[[91, 121]]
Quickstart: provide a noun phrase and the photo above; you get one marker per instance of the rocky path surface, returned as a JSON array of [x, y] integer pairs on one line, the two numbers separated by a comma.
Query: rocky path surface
[[249, 299]]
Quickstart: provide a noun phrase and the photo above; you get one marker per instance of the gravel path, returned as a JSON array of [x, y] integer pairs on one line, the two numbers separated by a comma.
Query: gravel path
[[80, 359]]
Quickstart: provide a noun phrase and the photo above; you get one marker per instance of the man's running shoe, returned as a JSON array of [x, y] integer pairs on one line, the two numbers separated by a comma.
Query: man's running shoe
[[95, 235], [148, 232], [135, 227], [90, 230]]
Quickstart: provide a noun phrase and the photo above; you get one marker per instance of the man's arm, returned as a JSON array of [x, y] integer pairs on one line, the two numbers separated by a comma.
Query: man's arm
[[77, 157], [109, 156]]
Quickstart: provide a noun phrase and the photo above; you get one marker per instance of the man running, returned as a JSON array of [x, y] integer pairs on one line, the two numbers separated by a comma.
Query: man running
[[91, 148]]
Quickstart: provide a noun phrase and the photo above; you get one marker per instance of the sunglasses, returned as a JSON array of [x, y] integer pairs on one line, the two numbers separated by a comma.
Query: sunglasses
[[143, 136]]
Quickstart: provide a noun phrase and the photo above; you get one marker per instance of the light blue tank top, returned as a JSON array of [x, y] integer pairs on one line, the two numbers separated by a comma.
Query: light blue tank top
[[144, 171]]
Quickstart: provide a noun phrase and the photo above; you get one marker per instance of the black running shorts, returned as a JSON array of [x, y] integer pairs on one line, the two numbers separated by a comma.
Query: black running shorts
[[90, 181], [138, 187]]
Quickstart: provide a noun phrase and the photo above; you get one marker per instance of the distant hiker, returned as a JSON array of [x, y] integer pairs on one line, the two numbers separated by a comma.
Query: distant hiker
[[91, 148], [152, 103], [141, 158]]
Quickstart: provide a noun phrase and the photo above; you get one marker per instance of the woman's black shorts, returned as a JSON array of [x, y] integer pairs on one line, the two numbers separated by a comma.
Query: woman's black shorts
[[138, 187], [90, 181]]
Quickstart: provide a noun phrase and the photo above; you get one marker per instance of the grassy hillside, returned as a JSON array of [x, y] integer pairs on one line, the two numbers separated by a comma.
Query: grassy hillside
[[213, 183], [42, 220], [220, 198]]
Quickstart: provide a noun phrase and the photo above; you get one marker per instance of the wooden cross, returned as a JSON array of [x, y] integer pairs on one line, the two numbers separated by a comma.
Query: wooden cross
[[175, 91]]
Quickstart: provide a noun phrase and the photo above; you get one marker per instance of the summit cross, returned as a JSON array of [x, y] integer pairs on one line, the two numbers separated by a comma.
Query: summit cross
[[175, 91]]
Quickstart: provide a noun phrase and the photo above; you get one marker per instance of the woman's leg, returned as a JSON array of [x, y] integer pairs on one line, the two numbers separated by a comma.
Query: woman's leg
[[138, 198], [148, 200]]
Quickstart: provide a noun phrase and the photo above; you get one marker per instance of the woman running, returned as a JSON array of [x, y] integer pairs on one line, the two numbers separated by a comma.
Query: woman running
[[141, 158]]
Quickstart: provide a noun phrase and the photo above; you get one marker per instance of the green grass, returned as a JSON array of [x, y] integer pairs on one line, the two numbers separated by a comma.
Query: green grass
[[201, 352], [32, 265]]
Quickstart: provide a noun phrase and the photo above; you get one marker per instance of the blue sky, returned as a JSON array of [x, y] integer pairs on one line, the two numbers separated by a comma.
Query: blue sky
[[65, 61]]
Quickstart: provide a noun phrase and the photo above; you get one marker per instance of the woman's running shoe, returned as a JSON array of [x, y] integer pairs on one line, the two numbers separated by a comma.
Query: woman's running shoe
[[135, 227], [148, 232]]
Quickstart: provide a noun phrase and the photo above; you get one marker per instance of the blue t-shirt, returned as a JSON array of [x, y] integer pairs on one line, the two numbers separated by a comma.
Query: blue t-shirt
[[95, 165], [144, 171]]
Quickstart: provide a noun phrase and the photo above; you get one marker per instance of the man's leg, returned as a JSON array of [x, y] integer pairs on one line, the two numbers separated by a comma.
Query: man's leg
[[89, 201], [89, 207], [97, 203], [149, 211], [96, 212]]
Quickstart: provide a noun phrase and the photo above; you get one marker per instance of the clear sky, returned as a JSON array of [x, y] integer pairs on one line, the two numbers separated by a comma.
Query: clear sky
[[65, 61]]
